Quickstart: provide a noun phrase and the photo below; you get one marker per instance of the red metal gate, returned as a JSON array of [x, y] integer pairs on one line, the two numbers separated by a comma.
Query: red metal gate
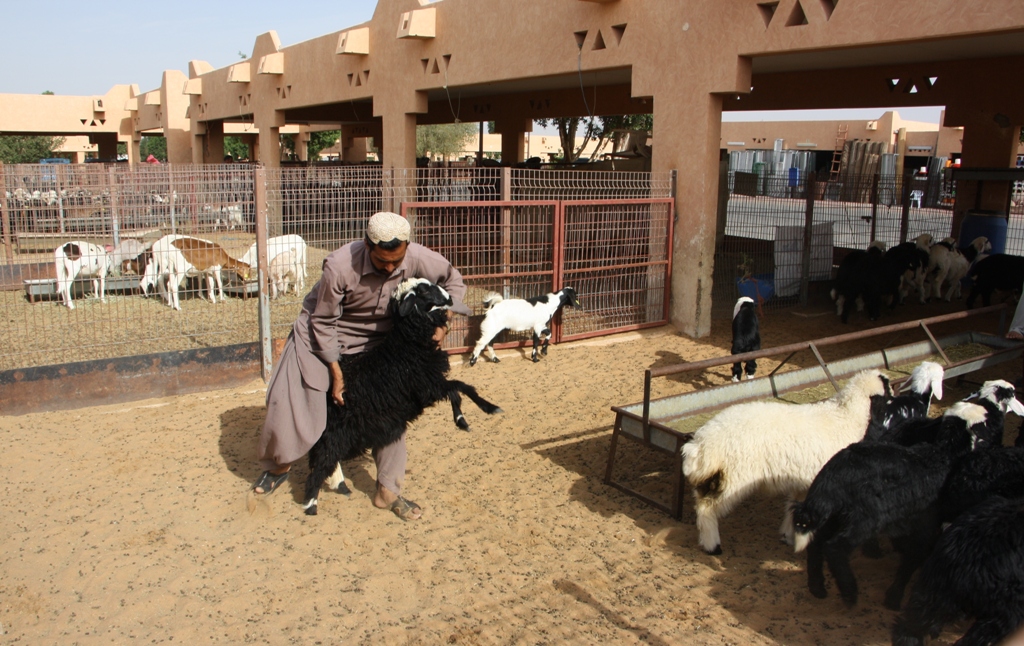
[[617, 254]]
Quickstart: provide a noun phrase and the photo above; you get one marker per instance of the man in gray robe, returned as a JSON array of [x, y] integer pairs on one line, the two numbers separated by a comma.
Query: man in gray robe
[[346, 313]]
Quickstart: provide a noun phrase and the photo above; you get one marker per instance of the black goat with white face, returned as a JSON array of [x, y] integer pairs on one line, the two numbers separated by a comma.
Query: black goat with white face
[[871, 488], [391, 384]]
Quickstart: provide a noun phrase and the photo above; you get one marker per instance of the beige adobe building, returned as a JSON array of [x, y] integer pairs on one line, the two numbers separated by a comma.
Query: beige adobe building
[[685, 62]]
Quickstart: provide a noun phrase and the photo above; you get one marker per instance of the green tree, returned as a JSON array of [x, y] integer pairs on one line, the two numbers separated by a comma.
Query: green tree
[[156, 146], [235, 147], [321, 140], [598, 129], [16, 149], [444, 139]]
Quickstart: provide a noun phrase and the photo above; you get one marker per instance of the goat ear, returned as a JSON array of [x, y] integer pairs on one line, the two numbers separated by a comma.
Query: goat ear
[[1016, 407], [407, 305]]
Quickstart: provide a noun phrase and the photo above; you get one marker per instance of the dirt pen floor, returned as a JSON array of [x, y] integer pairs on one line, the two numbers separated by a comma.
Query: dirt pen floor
[[135, 522]]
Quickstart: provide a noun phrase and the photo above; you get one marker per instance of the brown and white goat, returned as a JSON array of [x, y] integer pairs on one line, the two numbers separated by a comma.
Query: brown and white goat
[[210, 258]]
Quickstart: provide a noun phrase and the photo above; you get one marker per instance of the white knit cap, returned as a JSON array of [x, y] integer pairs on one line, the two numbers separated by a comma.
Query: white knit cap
[[386, 226]]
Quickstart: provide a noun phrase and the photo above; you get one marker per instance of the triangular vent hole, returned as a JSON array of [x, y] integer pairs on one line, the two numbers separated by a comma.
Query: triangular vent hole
[[767, 11], [798, 17]]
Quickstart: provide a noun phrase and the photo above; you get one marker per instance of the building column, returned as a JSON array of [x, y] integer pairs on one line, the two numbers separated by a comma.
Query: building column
[[212, 150], [688, 131], [269, 125], [513, 141], [302, 144], [398, 148], [107, 145], [990, 141]]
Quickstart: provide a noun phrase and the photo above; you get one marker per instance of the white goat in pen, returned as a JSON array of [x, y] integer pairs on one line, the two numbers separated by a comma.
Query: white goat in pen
[[284, 270], [773, 446], [278, 245], [79, 259], [517, 314]]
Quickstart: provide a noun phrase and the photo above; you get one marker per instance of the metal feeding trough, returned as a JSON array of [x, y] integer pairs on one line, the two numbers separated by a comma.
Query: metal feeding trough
[[41, 289], [234, 285], [656, 424]]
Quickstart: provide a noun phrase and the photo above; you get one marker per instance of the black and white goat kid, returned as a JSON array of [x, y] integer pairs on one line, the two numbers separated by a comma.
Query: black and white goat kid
[[517, 314], [924, 383], [391, 384], [746, 336]]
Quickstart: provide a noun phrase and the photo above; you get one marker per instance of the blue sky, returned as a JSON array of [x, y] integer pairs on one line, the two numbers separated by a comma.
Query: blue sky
[[92, 46]]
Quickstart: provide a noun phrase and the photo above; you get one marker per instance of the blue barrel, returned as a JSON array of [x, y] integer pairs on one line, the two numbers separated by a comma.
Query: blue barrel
[[991, 224]]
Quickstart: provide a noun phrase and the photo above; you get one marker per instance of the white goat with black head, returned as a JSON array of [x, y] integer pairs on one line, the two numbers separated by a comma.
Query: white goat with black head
[[79, 259], [519, 314]]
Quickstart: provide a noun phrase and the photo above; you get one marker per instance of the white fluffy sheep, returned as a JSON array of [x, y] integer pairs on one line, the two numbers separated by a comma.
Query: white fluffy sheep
[[773, 446]]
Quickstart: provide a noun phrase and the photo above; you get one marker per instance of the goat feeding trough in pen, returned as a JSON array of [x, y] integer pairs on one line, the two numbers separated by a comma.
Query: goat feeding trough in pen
[[663, 425], [40, 289]]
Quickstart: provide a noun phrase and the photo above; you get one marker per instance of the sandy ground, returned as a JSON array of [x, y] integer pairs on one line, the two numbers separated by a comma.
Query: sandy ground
[[134, 523]]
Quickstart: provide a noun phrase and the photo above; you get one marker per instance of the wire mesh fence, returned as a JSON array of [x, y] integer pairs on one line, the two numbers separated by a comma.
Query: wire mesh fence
[[760, 246], [479, 218]]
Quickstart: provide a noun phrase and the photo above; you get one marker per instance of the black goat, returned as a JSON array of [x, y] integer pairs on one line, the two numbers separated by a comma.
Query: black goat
[[391, 384], [999, 271], [746, 336], [859, 276], [871, 488], [903, 265], [976, 569]]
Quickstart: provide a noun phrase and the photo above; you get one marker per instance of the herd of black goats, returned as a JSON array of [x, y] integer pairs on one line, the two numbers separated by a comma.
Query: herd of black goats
[[946, 491]]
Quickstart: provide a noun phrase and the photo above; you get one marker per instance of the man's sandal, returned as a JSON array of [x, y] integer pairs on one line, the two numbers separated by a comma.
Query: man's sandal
[[269, 482], [405, 509]]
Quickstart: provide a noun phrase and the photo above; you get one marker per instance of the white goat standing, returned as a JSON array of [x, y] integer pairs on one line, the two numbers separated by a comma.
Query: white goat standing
[[773, 446], [284, 269], [517, 314], [278, 245], [81, 259], [165, 270]]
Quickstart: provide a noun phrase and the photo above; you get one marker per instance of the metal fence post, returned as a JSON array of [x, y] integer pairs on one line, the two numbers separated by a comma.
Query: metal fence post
[[58, 171], [805, 264], [113, 206], [874, 207], [905, 210], [6, 216], [263, 307]]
